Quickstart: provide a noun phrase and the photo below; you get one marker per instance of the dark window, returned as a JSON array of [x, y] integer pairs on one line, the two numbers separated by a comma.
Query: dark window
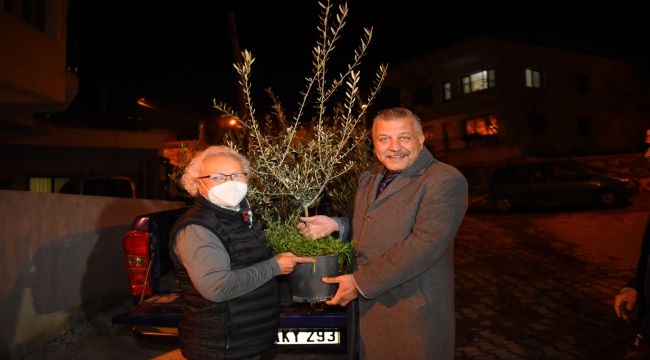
[[582, 84], [389, 96], [584, 126], [537, 123], [108, 187], [33, 12], [423, 96], [112, 186]]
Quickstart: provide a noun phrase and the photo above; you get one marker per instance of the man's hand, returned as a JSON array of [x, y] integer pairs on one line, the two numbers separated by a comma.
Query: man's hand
[[316, 227], [624, 303], [346, 292], [287, 261]]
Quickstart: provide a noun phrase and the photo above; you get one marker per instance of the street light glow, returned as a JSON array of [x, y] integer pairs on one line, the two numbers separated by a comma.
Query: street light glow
[[144, 103]]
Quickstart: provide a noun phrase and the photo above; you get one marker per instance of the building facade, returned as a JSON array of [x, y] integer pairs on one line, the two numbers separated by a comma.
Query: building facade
[[484, 99], [38, 75], [38, 71]]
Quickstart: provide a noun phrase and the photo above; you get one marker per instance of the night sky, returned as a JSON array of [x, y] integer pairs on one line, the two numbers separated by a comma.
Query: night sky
[[180, 58]]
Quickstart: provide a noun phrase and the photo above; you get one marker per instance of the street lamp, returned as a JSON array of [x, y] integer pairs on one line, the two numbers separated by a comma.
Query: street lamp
[[233, 122], [145, 103]]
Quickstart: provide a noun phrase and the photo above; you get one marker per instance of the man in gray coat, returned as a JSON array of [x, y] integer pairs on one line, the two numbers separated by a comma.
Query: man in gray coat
[[403, 237]]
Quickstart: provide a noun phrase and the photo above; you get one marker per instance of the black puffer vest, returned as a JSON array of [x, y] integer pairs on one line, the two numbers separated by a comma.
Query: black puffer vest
[[239, 327]]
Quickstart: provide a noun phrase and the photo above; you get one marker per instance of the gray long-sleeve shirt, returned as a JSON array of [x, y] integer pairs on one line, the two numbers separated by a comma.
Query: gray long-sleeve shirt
[[208, 265]]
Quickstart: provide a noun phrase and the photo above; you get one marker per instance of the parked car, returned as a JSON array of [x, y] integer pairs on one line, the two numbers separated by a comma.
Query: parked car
[[158, 304], [556, 183], [117, 186]]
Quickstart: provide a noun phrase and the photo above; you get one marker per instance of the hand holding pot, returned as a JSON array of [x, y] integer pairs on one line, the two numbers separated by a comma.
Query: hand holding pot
[[287, 261], [346, 292], [316, 227]]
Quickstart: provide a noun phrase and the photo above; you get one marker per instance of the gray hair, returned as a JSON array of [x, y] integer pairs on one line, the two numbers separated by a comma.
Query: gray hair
[[398, 113], [193, 170]]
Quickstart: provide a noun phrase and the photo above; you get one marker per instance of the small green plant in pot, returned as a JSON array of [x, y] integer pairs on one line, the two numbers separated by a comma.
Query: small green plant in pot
[[284, 238], [317, 153]]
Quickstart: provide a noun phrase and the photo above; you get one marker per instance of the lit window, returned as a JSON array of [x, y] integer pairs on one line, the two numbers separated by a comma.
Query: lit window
[[446, 91], [482, 126], [533, 78], [478, 81], [46, 184]]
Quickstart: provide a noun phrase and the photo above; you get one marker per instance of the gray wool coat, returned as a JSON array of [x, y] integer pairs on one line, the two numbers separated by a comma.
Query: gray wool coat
[[404, 243]]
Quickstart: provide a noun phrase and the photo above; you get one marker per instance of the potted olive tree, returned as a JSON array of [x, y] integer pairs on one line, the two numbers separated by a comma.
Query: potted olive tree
[[302, 163]]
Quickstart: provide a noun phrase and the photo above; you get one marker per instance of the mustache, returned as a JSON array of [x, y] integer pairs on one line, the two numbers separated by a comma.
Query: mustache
[[398, 153]]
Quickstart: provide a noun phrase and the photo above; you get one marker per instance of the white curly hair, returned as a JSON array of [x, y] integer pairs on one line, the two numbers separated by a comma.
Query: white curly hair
[[193, 170]]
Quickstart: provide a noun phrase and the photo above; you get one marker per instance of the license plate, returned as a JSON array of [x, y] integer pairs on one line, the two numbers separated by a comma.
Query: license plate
[[291, 337]]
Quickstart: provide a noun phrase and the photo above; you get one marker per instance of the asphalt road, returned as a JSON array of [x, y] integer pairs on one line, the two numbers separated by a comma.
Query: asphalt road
[[536, 285]]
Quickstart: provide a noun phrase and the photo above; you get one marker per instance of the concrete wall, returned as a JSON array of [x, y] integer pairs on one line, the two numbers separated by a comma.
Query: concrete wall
[[60, 261]]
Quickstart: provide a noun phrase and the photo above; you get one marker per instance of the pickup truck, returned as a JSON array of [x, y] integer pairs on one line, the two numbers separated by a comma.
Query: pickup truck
[[157, 300]]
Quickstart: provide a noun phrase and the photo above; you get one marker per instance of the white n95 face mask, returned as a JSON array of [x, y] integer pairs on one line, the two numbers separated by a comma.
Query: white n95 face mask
[[228, 194]]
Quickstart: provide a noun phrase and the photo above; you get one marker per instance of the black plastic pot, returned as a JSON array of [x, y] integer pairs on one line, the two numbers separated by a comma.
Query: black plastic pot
[[305, 281]]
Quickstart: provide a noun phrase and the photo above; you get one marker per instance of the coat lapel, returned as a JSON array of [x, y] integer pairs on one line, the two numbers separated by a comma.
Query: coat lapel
[[374, 185], [406, 177], [399, 182]]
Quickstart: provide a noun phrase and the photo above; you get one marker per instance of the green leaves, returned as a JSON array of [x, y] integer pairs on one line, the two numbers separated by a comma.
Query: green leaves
[[286, 238]]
